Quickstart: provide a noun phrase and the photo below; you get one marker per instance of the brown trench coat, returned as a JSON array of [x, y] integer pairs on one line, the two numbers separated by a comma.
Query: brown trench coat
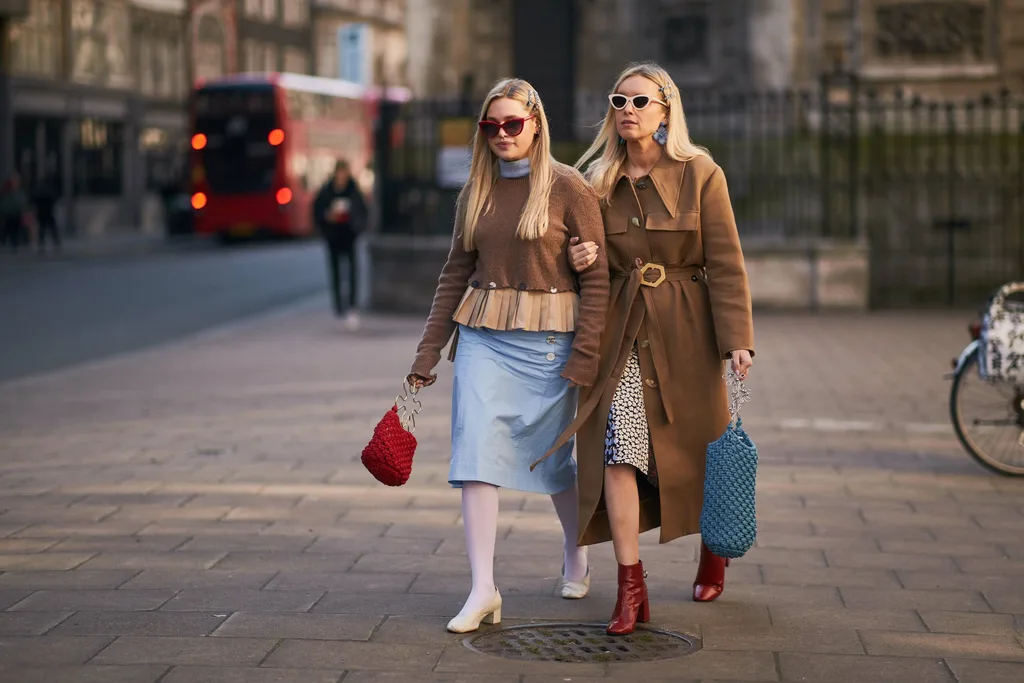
[[681, 219]]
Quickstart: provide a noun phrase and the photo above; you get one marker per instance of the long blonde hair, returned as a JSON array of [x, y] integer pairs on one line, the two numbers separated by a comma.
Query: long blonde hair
[[476, 196], [604, 170]]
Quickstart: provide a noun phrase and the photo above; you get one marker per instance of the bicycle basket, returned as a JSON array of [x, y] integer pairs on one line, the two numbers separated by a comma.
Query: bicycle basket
[[1001, 344]]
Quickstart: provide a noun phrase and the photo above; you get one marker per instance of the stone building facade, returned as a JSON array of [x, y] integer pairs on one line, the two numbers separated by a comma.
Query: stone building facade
[[97, 91], [934, 48], [465, 45], [274, 35], [385, 46], [458, 46], [212, 38], [10, 10]]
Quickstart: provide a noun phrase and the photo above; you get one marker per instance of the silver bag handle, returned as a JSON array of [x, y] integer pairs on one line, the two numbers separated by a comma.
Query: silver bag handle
[[407, 415], [739, 392]]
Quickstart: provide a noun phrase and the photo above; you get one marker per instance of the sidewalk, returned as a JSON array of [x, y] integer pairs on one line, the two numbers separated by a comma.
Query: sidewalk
[[200, 515]]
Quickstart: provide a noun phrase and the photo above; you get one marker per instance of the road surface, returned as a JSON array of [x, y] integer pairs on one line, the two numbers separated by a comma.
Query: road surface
[[63, 312]]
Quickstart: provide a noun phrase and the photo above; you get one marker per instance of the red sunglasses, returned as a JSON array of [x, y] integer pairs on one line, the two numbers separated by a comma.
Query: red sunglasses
[[512, 127]]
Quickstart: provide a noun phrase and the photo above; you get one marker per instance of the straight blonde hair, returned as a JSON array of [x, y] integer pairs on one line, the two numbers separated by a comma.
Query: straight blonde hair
[[476, 196], [604, 170]]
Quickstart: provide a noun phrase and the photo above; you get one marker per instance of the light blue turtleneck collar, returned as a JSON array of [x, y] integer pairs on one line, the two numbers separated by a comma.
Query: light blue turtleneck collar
[[514, 169]]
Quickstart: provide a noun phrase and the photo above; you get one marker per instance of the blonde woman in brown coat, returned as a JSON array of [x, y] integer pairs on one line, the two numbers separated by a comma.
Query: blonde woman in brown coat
[[679, 309]]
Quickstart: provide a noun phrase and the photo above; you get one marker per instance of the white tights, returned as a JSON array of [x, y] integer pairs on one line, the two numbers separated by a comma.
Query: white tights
[[567, 509], [480, 520]]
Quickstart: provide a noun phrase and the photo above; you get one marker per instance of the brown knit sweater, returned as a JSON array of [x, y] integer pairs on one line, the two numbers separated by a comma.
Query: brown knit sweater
[[500, 259]]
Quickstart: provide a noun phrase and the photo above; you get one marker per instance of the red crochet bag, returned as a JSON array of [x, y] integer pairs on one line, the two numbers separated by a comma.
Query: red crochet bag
[[388, 456]]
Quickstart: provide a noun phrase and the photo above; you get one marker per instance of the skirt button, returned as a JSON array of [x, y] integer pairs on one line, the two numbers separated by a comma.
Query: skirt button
[[550, 356]]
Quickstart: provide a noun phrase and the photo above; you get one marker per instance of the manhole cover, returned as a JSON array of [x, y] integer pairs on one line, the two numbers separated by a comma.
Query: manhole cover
[[581, 643]]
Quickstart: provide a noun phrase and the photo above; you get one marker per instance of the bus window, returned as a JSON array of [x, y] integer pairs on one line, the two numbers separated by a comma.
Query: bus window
[[238, 157]]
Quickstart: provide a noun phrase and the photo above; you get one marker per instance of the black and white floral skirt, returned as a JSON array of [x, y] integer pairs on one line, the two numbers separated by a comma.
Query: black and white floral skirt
[[627, 436]]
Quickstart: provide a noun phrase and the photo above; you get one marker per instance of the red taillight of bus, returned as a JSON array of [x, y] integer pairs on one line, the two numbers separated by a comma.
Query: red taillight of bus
[[284, 195], [198, 200], [275, 137], [198, 141]]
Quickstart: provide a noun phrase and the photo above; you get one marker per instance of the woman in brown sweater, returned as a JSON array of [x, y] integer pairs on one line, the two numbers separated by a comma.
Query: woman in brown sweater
[[527, 331], [679, 309]]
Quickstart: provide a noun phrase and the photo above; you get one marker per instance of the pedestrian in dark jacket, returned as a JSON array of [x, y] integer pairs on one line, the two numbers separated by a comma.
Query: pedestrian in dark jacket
[[14, 213], [341, 215], [45, 200]]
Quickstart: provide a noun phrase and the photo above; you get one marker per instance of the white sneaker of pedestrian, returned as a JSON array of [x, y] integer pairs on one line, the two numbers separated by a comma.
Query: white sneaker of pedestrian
[[352, 321]]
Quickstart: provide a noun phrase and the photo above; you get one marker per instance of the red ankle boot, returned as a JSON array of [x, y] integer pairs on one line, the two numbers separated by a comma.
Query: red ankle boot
[[710, 581], [632, 604]]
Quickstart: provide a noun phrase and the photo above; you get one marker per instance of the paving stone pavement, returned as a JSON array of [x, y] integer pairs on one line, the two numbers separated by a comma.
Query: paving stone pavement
[[199, 514]]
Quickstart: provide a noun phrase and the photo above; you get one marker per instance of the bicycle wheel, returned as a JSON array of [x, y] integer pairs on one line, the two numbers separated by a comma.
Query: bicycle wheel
[[988, 417]]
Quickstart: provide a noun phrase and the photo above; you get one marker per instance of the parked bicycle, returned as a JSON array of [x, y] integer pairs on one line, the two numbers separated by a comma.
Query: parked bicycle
[[986, 401]]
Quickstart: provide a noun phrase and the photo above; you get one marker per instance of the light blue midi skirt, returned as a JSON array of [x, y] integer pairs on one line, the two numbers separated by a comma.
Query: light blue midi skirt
[[509, 405]]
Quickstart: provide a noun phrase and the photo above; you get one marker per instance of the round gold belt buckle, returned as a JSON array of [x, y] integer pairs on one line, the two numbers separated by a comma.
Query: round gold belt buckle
[[649, 267]]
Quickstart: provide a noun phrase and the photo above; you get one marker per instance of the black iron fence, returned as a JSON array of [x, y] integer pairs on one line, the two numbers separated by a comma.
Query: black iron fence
[[934, 190]]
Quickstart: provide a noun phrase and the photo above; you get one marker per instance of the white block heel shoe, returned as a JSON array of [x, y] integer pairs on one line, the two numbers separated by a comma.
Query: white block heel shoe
[[575, 590], [465, 622]]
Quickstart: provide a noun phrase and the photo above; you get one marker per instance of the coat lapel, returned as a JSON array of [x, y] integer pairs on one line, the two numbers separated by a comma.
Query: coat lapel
[[667, 176]]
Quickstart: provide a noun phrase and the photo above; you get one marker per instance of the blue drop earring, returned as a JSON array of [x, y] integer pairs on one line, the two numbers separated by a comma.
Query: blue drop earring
[[661, 135], [622, 141]]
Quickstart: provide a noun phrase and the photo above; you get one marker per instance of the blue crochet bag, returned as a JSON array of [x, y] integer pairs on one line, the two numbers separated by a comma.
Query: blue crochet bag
[[728, 520]]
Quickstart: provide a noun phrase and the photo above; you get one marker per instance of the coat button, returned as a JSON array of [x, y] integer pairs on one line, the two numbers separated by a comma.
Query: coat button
[[475, 283], [644, 343], [492, 285], [551, 339], [635, 221], [694, 278], [651, 383], [522, 286], [550, 356], [554, 290]]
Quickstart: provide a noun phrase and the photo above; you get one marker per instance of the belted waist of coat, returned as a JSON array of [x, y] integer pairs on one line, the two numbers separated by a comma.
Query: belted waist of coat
[[642, 280], [657, 270]]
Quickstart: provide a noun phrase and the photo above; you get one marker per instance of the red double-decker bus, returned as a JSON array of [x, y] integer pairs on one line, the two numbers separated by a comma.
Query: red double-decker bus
[[263, 144]]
